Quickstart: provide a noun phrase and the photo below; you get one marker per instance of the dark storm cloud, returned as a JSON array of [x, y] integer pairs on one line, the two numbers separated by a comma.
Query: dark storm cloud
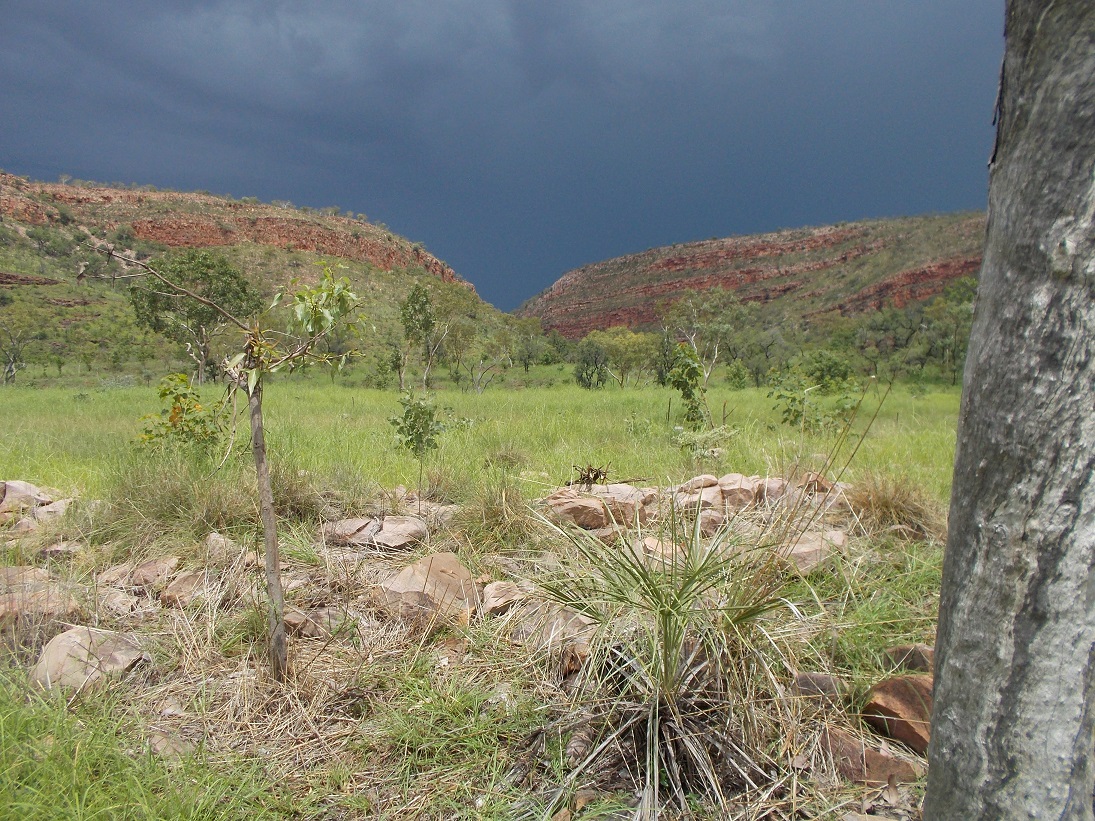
[[517, 139]]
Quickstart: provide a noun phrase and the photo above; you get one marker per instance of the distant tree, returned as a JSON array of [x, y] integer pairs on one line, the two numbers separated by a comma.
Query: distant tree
[[628, 352], [713, 322], [20, 327], [591, 364], [208, 288]]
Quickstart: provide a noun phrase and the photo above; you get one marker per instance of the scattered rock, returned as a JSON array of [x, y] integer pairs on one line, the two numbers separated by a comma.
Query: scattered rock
[[320, 623], [706, 497], [569, 505], [17, 496], [219, 548], [118, 602], [28, 594], [547, 626], [916, 658], [84, 656], [738, 491], [818, 685], [710, 522], [169, 745], [62, 550], [814, 483], [144, 575], [901, 708], [153, 572], [698, 483], [626, 505], [436, 586], [811, 548], [498, 597], [391, 532], [186, 588], [21, 576], [864, 765]]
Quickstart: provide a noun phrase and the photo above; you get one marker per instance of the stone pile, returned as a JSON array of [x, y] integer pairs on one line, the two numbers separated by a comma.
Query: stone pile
[[28, 505]]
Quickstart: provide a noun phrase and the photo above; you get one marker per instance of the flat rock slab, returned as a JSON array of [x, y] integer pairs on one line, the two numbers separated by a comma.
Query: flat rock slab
[[901, 708], [17, 495], [862, 764], [320, 623], [810, 549], [85, 657], [186, 588], [28, 594], [144, 575], [435, 586], [390, 532]]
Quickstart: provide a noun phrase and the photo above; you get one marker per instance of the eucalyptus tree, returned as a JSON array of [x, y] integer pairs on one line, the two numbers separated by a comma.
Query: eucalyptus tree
[[1014, 703]]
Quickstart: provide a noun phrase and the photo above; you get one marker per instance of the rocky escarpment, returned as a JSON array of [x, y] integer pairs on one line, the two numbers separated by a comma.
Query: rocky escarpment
[[847, 268], [187, 220]]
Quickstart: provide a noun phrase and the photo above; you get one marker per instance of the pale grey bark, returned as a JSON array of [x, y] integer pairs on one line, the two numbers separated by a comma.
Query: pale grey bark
[[1013, 732]]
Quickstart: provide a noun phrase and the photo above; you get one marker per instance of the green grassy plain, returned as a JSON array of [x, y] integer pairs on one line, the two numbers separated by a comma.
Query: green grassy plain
[[77, 439], [399, 725]]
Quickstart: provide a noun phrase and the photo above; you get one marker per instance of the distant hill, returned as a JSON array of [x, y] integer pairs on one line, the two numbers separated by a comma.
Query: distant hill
[[197, 220], [847, 269], [69, 303]]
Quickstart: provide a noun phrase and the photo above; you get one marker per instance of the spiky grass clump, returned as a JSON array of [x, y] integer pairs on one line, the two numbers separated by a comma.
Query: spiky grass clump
[[678, 674], [887, 504]]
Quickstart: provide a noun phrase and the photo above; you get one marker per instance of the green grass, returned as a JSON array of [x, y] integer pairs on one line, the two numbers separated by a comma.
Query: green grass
[[78, 441], [90, 762], [426, 738]]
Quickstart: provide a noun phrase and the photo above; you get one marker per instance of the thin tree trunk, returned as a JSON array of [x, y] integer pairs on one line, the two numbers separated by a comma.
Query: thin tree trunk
[[279, 652], [1013, 728]]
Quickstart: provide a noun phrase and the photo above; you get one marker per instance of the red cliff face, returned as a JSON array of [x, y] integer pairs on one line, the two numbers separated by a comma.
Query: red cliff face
[[850, 268], [202, 221]]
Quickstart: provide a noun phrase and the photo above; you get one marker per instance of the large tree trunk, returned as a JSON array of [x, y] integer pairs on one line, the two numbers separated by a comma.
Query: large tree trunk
[[279, 653], [1013, 731]]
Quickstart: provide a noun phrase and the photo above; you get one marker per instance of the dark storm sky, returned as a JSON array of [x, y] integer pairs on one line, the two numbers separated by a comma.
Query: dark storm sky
[[517, 139]]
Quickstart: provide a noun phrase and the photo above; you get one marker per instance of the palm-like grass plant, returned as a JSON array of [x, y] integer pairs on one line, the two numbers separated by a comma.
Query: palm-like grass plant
[[677, 683]]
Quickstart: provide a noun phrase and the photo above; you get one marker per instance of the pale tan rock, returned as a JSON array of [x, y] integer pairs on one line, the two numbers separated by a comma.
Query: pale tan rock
[[54, 510], [498, 597], [437, 585], [401, 532], [116, 575], [118, 601], [21, 576], [698, 483], [168, 745], [738, 491], [320, 623], [17, 495], [219, 548], [186, 588], [810, 549], [814, 483], [62, 550], [547, 626], [586, 512], [657, 552], [626, 505], [84, 657], [707, 497], [153, 572], [901, 708], [390, 532], [38, 601]]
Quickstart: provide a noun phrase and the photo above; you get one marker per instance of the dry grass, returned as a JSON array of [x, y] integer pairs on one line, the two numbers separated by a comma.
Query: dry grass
[[885, 504]]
